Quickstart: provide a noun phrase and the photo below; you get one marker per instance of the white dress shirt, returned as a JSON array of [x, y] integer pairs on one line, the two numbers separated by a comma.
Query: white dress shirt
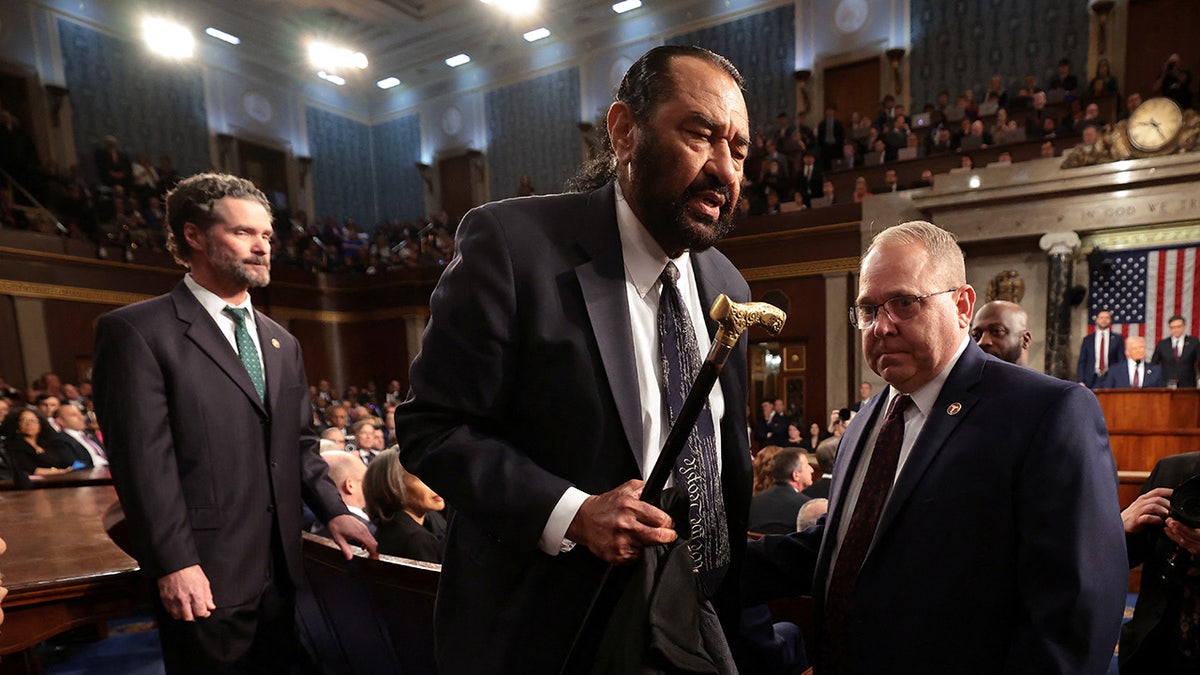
[[215, 307], [88, 445], [1137, 371], [644, 262]]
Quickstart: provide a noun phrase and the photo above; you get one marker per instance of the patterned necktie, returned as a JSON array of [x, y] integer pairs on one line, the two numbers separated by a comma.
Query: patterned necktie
[[1137, 375], [696, 469], [881, 474], [247, 350], [1103, 352]]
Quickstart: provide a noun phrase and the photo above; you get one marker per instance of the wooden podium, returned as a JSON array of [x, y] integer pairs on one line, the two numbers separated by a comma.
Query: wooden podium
[[1145, 425]]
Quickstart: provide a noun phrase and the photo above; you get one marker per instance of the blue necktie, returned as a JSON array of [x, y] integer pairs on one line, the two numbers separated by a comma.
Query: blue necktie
[[247, 350], [696, 470]]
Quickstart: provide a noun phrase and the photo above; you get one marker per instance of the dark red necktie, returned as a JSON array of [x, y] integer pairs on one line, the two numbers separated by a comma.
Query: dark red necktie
[[881, 474], [1137, 375], [1103, 353]]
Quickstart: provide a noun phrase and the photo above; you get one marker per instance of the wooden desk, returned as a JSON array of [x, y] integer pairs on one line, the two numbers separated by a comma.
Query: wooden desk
[[71, 479], [61, 569]]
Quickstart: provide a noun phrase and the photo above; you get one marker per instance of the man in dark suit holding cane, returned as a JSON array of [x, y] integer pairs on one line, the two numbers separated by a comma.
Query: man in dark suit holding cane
[[567, 302]]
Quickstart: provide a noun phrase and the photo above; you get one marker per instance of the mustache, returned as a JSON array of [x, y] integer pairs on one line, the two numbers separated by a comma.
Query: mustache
[[709, 183], [257, 260]]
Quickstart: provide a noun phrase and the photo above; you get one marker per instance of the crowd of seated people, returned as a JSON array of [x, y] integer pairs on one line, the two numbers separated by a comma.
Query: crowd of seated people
[[403, 513], [327, 246], [788, 166], [50, 428], [788, 169]]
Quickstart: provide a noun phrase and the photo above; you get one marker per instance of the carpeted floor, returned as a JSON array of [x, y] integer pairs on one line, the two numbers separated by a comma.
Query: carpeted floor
[[131, 648]]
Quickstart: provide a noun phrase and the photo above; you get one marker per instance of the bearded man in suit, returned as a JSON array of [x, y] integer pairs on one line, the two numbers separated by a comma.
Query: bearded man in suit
[[204, 406], [551, 303], [975, 494]]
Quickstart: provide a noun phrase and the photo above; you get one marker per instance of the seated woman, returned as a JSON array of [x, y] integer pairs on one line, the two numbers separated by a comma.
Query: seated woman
[[403, 509], [26, 440]]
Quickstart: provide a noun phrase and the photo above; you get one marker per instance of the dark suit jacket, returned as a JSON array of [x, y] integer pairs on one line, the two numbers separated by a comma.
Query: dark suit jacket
[[526, 385], [1002, 533], [70, 449], [813, 187], [1085, 370], [1151, 549], [1182, 369], [834, 142], [1117, 376], [204, 469], [773, 511]]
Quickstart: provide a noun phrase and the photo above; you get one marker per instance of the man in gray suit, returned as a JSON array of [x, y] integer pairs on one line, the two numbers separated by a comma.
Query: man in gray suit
[[204, 406], [551, 304]]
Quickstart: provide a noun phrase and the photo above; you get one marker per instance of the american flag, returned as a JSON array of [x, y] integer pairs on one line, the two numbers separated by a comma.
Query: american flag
[[1143, 289]]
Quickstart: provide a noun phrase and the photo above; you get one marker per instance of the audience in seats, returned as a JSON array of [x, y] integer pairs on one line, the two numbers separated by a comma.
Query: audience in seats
[[46, 405], [368, 440], [861, 192], [73, 443], [1104, 78], [27, 438], [337, 417], [348, 475], [794, 438], [773, 511], [826, 454], [1133, 371], [1178, 355], [404, 510], [808, 514]]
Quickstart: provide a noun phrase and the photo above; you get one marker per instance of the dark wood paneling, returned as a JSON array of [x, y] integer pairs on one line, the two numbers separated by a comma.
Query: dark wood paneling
[[11, 368], [805, 325], [363, 352], [70, 332], [854, 87], [455, 175]]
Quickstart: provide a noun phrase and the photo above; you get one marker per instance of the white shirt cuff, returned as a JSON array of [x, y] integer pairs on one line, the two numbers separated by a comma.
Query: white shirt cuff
[[553, 540]]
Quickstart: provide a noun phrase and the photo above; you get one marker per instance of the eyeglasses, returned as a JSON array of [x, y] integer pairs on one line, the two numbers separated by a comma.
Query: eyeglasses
[[899, 308]]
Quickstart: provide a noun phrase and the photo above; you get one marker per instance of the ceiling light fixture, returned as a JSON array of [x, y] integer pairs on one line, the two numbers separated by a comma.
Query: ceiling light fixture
[[329, 57], [222, 36], [458, 60], [167, 38], [388, 83], [537, 34], [626, 6], [331, 78], [514, 7]]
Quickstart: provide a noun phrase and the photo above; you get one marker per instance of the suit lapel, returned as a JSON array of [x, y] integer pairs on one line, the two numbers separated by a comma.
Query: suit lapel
[[272, 359], [602, 280], [205, 334], [940, 423]]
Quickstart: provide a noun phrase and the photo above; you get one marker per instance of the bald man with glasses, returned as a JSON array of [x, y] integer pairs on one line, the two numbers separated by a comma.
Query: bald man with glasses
[[973, 523]]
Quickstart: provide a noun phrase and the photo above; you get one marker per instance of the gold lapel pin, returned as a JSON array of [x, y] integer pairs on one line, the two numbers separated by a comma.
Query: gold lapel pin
[[275, 343], [953, 408]]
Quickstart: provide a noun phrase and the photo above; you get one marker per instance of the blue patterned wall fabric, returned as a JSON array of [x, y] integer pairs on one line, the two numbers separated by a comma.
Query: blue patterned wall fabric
[[533, 129], [397, 146], [960, 44], [153, 106], [763, 47], [343, 179]]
